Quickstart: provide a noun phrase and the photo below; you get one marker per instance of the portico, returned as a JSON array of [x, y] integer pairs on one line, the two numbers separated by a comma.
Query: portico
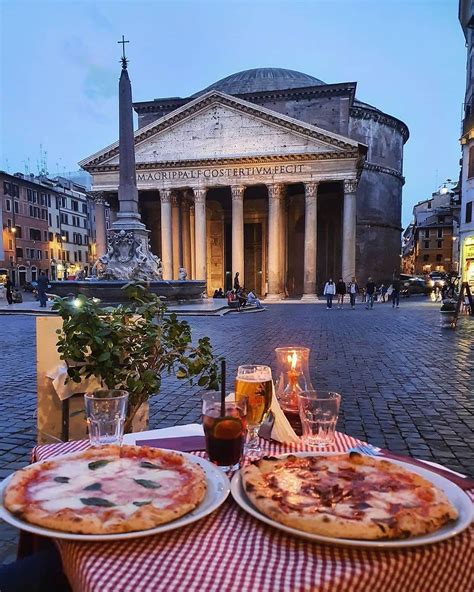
[[227, 186]]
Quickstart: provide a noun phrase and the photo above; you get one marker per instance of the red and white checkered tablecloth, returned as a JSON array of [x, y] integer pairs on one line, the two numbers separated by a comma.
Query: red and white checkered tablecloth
[[232, 551]]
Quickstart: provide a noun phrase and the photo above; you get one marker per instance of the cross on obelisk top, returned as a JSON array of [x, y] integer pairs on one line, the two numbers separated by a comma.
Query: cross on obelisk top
[[123, 58]]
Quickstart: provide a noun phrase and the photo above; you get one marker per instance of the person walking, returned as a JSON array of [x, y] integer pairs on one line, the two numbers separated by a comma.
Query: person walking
[[42, 287], [329, 291], [236, 281], [353, 289], [370, 293], [9, 288], [396, 292], [341, 291]]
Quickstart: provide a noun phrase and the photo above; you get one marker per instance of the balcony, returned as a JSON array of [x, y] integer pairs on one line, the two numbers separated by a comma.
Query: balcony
[[468, 127]]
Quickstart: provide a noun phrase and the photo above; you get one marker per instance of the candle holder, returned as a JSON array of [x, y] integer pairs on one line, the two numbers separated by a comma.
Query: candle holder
[[292, 377]]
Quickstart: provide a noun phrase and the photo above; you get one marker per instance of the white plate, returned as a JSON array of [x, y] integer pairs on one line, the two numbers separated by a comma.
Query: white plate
[[218, 488], [455, 494]]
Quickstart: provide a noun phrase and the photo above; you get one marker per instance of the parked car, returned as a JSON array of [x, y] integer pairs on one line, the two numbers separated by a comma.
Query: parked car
[[413, 284], [437, 279]]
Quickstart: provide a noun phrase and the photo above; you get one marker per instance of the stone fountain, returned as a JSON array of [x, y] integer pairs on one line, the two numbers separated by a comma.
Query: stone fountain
[[128, 256]]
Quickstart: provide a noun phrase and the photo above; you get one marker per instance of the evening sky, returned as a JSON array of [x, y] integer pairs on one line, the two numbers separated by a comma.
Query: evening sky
[[60, 67]]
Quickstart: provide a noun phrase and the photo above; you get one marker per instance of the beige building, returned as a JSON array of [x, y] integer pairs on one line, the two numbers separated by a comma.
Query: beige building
[[227, 184]]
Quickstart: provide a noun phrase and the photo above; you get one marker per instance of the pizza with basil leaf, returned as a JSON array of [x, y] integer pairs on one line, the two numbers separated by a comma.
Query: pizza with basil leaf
[[106, 490]]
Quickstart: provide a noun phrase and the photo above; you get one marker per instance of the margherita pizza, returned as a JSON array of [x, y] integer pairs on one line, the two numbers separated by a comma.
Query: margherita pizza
[[106, 490], [347, 496]]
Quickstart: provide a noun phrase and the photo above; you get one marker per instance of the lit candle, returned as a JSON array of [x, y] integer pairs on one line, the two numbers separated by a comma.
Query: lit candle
[[293, 375]]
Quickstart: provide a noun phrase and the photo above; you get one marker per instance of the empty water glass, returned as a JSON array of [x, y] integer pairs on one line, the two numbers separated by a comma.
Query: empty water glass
[[319, 411], [106, 411]]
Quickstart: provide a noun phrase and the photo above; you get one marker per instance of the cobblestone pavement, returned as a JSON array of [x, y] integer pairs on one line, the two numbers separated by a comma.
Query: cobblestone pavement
[[406, 384]]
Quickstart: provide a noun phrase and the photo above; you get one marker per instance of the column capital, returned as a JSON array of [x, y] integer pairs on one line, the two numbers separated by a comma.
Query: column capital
[[165, 195], [311, 190], [237, 192], [276, 191], [98, 197], [350, 185], [200, 195]]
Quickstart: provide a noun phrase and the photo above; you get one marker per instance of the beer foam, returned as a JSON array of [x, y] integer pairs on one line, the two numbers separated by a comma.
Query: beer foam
[[257, 376]]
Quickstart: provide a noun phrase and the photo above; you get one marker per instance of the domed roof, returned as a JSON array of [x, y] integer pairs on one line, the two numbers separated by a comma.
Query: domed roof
[[261, 79]]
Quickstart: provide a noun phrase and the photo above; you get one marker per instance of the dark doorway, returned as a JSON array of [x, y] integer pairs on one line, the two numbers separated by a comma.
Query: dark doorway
[[295, 246], [253, 253]]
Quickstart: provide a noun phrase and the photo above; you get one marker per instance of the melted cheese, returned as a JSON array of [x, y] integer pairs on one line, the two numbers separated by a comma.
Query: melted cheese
[[118, 480]]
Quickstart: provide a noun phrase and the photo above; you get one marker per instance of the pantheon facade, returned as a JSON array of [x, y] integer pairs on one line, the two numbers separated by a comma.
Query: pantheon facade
[[268, 172]]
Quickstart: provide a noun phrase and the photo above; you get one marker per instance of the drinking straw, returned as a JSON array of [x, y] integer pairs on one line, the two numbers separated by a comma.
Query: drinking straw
[[222, 388]]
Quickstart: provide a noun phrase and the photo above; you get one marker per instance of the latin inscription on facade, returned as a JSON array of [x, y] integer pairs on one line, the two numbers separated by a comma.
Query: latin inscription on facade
[[216, 173]]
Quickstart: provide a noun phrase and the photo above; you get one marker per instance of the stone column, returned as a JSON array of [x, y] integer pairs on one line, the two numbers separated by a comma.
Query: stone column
[[349, 230], [310, 240], [166, 235], [100, 229], [192, 236], [186, 236], [176, 233], [276, 193], [238, 232], [200, 233]]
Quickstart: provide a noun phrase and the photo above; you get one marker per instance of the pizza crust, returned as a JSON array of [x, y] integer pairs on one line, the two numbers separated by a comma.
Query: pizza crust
[[187, 491], [272, 487]]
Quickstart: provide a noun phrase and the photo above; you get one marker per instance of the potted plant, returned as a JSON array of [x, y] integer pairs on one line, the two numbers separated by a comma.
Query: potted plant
[[130, 346], [448, 313]]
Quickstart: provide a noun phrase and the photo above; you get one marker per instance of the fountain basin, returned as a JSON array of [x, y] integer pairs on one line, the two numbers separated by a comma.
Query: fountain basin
[[110, 291]]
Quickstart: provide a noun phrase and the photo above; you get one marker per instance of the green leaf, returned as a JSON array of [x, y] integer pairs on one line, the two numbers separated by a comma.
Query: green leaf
[[145, 503], [93, 487], [147, 483], [97, 501], [104, 356], [97, 464], [148, 465], [62, 479]]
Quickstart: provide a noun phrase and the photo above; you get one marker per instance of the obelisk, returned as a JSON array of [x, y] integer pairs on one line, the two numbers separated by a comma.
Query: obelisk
[[128, 216], [128, 254]]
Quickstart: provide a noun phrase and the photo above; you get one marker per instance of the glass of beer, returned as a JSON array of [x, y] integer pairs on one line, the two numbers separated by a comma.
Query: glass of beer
[[254, 383]]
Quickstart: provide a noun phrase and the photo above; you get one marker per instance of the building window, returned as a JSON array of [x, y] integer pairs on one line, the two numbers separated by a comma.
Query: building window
[[17, 207], [470, 170], [74, 205], [18, 231], [8, 205], [35, 234], [19, 252], [426, 257], [468, 212], [6, 188], [440, 233], [439, 258], [429, 205], [29, 195], [10, 245], [426, 244], [440, 244], [84, 208], [46, 256], [40, 254], [79, 256], [15, 190], [427, 233]]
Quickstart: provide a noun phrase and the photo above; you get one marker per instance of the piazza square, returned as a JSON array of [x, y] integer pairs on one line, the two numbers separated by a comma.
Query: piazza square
[[237, 297]]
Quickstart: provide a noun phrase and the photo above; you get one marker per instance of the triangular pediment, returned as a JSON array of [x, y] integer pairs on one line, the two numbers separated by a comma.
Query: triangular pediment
[[217, 125]]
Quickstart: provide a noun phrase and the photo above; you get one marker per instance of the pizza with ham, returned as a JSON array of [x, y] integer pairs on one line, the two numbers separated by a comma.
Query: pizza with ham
[[106, 490], [347, 496]]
